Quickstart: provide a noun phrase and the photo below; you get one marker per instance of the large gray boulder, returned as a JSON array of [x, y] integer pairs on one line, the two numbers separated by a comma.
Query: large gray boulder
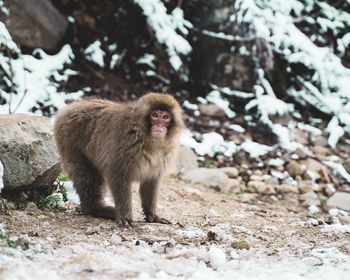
[[186, 160], [27, 151], [213, 178], [340, 200], [34, 23]]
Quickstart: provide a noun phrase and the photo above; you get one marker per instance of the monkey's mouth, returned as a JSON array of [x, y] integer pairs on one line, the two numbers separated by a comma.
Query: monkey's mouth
[[158, 132]]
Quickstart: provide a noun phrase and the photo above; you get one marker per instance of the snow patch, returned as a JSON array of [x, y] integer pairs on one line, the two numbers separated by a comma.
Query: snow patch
[[211, 144], [338, 169], [95, 54], [255, 149], [32, 79], [164, 26]]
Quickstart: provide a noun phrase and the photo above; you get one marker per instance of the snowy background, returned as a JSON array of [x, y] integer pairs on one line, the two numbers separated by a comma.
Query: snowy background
[[262, 83]]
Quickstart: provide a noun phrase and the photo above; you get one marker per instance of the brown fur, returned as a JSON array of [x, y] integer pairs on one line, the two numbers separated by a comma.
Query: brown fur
[[107, 143]]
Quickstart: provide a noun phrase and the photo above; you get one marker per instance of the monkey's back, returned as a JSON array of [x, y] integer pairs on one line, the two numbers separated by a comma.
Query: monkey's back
[[90, 127]]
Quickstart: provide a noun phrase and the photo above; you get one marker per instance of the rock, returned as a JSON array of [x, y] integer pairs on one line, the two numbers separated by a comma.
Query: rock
[[31, 207], [231, 172], [294, 169], [329, 189], [213, 178], [27, 151], [211, 110], [301, 136], [305, 186], [286, 188], [321, 151], [310, 198], [262, 187], [186, 160], [340, 200], [34, 23], [255, 177], [318, 170], [235, 185], [241, 244], [116, 239]]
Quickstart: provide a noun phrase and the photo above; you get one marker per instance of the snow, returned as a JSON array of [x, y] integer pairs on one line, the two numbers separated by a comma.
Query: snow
[[276, 162], [147, 59], [1, 176], [164, 26], [216, 98], [3, 8], [71, 193], [336, 228], [189, 105], [237, 128], [313, 209], [217, 256], [255, 149], [211, 144], [338, 169], [335, 132], [95, 54], [33, 84]]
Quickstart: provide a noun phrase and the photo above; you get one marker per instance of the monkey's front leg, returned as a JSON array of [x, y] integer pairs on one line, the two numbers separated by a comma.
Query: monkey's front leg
[[148, 193], [121, 190]]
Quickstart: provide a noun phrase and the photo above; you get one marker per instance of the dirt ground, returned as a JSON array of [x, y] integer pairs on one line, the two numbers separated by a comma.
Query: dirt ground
[[68, 244]]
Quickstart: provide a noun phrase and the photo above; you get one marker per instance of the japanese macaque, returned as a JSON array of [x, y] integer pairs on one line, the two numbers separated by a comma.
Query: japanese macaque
[[104, 143]]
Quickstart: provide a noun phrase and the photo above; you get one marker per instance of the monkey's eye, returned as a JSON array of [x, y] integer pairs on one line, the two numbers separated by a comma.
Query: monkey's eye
[[166, 117], [154, 115]]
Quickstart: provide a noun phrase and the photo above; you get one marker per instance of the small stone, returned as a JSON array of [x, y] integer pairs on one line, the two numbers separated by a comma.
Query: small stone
[[92, 230], [323, 151], [294, 169], [286, 188], [329, 189], [318, 170], [241, 244], [330, 220], [305, 187], [235, 185], [211, 110], [256, 178], [258, 172], [213, 178], [116, 239], [344, 220], [231, 172], [261, 187], [340, 200], [310, 198], [31, 207], [23, 196], [312, 261]]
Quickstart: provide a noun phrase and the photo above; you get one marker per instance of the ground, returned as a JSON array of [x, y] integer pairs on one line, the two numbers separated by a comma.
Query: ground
[[212, 236]]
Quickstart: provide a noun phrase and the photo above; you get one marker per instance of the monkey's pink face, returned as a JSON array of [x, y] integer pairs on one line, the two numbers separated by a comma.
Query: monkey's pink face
[[160, 121]]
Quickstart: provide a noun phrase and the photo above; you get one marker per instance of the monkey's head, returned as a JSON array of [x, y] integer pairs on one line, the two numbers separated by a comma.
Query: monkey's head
[[162, 115]]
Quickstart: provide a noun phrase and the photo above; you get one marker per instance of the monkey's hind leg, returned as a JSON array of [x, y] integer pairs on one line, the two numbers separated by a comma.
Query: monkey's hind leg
[[88, 183]]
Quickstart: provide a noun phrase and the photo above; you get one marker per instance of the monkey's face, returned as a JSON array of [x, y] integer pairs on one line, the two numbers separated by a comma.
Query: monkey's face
[[160, 121]]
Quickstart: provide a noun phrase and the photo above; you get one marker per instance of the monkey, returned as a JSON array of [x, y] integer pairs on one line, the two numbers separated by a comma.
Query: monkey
[[104, 143]]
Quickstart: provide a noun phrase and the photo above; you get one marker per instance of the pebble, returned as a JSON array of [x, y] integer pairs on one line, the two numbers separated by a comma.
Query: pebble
[[241, 244], [231, 172], [262, 187], [294, 169]]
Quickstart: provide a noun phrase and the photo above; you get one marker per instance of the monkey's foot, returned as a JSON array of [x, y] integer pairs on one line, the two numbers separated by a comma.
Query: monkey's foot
[[151, 218], [125, 223]]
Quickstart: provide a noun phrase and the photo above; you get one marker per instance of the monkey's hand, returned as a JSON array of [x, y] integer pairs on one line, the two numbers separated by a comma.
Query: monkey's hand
[[125, 223], [152, 218]]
